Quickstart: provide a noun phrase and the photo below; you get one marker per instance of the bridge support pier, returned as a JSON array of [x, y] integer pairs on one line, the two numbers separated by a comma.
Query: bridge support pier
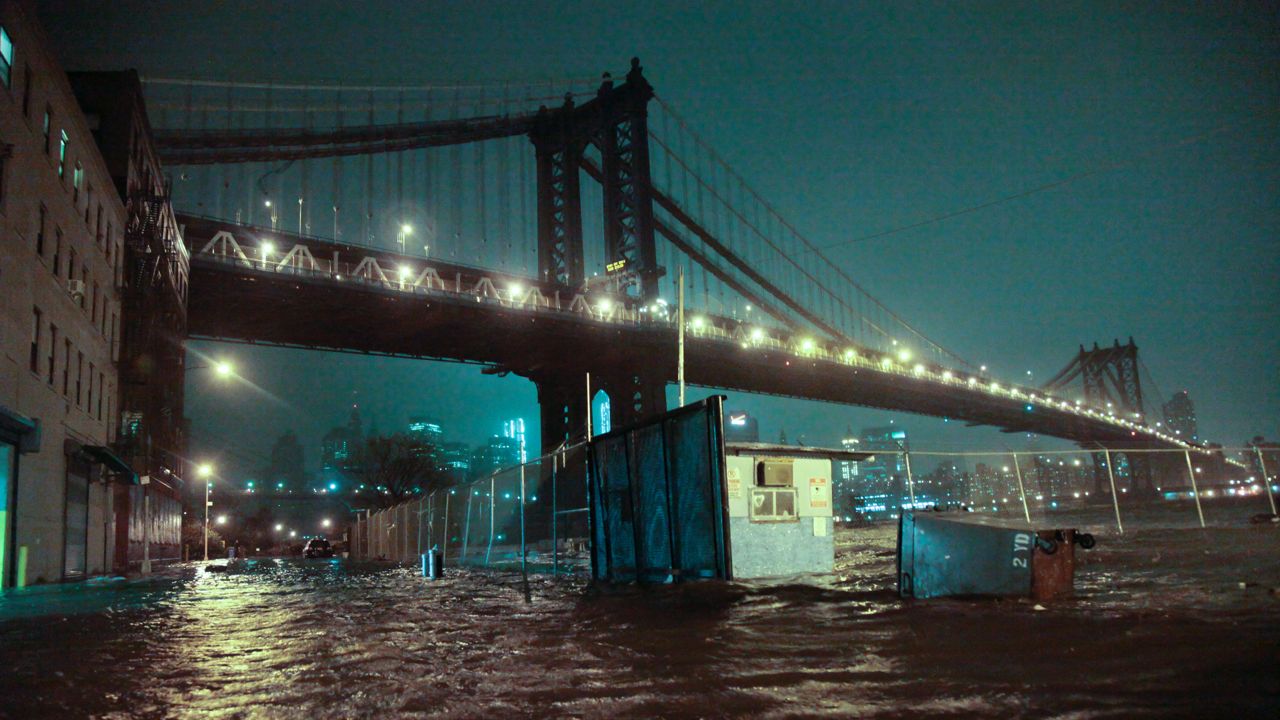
[[635, 395]]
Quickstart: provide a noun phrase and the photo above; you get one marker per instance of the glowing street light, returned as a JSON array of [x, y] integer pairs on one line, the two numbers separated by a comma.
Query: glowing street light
[[223, 368], [205, 470], [325, 522], [279, 527], [293, 533], [405, 230], [222, 519]]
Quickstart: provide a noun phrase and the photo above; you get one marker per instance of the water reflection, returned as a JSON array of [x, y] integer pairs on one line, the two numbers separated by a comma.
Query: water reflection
[[1160, 620]]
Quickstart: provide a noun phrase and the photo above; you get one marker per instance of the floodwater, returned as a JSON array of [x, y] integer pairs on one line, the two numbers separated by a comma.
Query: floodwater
[[1166, 623]]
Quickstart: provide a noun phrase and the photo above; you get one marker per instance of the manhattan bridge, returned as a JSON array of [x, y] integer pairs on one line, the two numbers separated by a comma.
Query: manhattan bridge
[[544, 229]]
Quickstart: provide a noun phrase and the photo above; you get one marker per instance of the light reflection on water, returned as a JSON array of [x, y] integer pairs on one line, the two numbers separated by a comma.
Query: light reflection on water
[[1161, 627]]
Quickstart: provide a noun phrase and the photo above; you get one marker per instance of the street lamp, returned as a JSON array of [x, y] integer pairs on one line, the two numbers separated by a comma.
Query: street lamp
[[205, 470], [405, 230], [221, 368]]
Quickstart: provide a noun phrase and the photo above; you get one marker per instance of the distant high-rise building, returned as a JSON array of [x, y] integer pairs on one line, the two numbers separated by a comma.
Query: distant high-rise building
[[427, 436], [455, 461], [1180, 416], [340, 450], [514, 429], [498, 453], [882, 479], [845, 481], [285, 472], [741, 427], [426, 431]]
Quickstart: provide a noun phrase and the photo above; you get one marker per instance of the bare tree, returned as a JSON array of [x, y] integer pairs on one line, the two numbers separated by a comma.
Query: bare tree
[[397, 467]]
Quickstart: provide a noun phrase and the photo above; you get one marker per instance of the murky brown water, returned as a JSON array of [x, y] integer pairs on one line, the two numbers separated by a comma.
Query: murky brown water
[[1161, 627]]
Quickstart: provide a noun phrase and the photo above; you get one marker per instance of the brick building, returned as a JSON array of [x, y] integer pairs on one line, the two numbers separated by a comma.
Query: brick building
[[70, 504]]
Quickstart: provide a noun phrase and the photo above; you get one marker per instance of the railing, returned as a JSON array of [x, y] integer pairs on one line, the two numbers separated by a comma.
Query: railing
[[526, 294]]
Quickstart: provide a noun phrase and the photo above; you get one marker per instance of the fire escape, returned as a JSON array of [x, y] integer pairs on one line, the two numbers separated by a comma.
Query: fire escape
[[152, 436]]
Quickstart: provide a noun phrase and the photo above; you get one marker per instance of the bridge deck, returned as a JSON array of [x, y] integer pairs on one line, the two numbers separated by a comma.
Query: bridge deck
[[396, 305]]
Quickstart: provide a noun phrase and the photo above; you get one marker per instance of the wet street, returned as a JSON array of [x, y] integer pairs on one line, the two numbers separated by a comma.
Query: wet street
[[1166, 623]]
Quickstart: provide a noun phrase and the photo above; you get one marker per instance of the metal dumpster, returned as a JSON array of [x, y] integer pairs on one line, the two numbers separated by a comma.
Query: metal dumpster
[[962, 554]]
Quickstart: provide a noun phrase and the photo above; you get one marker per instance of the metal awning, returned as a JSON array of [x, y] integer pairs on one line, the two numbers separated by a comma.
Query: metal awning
[[771, 449], [20, 428], [114, 464]]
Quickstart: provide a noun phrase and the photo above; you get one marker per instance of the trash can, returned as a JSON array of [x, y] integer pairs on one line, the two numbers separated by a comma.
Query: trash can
[[959, 554]]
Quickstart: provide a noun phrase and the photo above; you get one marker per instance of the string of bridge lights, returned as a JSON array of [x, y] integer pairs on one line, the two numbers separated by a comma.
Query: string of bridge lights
[[607, 309]]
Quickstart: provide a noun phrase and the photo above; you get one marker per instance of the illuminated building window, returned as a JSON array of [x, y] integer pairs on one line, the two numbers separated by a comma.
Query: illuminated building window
[[6, 57]]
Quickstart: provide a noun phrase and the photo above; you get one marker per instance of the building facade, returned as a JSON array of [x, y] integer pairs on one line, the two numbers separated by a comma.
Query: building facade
[[881, 485], [61, 262], [1180, 416]]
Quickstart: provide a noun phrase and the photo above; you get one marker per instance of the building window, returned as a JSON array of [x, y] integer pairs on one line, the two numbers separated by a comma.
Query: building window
[[6, 57], [77, 177], [108, 241], [53, 352], [48, 129], [71, 259], [34, 361], [101, 391], [41, 217], [84, 284], [93, 307], [66, 370], [79, 375], [97, 227], [62, 153], [88, 406], [57, 249]]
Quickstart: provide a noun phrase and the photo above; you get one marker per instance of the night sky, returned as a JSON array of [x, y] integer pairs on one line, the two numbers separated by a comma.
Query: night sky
[[1140, 145]]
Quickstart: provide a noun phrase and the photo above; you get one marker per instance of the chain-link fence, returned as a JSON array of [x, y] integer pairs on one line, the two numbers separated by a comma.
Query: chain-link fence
[[1166, 488], [530, 517], [534, 517]]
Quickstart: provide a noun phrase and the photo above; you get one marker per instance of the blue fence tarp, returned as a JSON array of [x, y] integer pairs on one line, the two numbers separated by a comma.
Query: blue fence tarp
[[657, 498]]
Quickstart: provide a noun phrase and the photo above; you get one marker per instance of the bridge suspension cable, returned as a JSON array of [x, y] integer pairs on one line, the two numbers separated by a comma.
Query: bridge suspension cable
[[755, 265], [802, 262]]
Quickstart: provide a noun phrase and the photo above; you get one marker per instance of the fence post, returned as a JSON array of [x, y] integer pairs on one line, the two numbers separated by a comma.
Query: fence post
[[1021, 489], [466, 526], [1194, 490], [556, 542], [444, 556], [1262, 466], [1115, 499], [911, 489], [493, 490], [524, 553]]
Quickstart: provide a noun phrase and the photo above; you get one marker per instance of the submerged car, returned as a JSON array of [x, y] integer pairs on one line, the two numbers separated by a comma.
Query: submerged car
[[317, 548]]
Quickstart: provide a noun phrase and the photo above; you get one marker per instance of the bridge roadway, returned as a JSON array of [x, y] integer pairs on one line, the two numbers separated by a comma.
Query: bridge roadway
[[258, 285]]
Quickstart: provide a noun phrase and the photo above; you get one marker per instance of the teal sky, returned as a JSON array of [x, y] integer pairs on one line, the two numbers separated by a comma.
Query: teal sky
[[856, 119]]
